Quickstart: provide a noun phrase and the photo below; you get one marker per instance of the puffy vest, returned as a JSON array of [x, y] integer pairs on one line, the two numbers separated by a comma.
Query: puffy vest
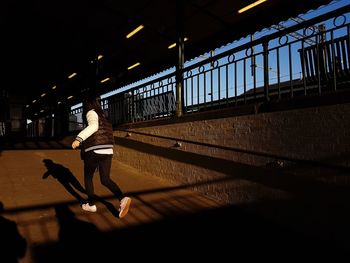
[[102, 139]]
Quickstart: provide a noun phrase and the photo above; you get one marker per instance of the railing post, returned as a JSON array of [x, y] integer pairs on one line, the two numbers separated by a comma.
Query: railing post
[[266, 70], [180, 55], [133, 106]]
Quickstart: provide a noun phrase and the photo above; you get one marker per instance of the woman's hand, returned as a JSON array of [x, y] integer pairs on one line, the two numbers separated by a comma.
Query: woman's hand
[[75, 144]]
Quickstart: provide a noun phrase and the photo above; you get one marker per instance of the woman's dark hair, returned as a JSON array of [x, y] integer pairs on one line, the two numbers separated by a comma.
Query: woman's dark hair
[[92, 102]]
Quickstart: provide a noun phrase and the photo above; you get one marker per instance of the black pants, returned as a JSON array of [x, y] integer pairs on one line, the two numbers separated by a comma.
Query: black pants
[[103, 162]]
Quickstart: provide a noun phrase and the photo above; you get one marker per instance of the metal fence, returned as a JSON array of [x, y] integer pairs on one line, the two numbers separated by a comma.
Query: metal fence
[[308, 58]]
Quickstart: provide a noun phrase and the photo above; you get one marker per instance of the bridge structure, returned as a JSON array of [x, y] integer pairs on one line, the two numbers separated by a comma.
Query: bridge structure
[[244, 153]]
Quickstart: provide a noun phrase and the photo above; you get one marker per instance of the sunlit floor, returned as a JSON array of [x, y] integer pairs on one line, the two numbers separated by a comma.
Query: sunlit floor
[[42, 220], [43, 208]]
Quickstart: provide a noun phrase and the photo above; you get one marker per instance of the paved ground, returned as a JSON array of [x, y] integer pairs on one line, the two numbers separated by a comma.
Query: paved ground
[[165, 223], [47, 211]]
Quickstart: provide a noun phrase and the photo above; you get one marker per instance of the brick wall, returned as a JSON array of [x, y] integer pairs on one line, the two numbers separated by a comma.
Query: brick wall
[[232, 149], [234, 159]]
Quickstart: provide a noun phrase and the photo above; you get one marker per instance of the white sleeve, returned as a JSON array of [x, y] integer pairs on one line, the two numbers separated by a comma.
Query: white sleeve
[[91, 128]]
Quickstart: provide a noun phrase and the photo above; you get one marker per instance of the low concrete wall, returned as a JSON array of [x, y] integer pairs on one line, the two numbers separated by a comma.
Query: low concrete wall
[[288, 165]]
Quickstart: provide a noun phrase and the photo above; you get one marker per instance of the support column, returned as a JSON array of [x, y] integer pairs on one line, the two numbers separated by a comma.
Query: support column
[[266, 70], [180, 57]]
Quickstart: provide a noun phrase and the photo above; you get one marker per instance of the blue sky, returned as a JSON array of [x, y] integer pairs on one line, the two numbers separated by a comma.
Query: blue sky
[[324, 9]]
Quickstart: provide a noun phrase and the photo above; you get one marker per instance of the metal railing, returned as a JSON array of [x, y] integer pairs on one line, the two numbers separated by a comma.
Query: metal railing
[[271, 68]]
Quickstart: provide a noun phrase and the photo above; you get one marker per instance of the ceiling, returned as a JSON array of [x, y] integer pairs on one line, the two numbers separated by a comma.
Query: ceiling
[[43, 42]]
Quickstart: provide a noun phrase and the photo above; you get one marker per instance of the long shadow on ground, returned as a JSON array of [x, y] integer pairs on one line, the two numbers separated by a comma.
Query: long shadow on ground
[[221, 234]]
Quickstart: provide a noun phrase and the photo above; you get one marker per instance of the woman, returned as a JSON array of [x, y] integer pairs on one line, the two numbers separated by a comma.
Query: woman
[[96, 142]]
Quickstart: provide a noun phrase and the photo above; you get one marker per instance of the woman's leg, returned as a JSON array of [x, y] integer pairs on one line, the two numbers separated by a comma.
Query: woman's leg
[[104, 170], [90, 165]]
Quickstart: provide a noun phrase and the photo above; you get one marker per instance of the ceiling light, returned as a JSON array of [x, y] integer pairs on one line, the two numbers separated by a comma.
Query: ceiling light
[[43, 95], [33, 101], [251, 6], [68, 98], [54, 87], [174, 44], [135, 65], [104, 80], [135, 31], [99, 57], [72, 75], [27, 106]]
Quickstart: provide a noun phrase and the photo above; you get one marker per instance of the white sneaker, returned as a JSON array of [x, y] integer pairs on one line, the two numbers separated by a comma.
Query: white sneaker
[[90, 208], [124, 206]]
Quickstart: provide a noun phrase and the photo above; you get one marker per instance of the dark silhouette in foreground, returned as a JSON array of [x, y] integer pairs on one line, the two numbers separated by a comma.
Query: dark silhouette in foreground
[[78, 240], [12, 245], [218, 235]]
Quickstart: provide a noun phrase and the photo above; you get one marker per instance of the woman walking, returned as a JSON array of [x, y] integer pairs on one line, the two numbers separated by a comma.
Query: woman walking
[[96, 142]]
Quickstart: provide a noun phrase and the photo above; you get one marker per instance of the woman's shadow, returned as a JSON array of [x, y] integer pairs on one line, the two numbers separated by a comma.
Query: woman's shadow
[[13, 246], [64, 176]]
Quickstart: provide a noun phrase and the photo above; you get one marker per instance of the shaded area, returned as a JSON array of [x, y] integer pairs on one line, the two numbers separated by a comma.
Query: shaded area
[[24, 143], [12, 245], [271, 177], [219, 234], [77, 239], [324, 162], [312, 199]]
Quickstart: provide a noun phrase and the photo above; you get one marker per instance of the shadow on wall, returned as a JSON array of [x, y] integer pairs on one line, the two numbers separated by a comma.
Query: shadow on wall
[[12, 245], [274, 175], [338, 161], [219, 235], [310, 198]]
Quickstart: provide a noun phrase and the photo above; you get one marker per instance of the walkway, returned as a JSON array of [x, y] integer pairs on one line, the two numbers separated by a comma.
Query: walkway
[[164, 220]]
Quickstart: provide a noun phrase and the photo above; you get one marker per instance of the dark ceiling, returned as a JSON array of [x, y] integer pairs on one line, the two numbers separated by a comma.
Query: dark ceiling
[[45, 41]]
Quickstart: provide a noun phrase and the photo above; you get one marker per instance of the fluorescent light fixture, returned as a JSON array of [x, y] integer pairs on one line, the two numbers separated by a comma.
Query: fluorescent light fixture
[[42, 111], [174, 44], [251, 6], [43, 95], [135, 31], [134, 66], [104, 80], [27, 106], [59, 102], [33, 101], [68, 98], [72, 75], [54, 87], [99, 57]]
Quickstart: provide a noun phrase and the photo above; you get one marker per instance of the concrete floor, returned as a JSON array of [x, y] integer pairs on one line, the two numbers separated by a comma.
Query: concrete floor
[[165, 222], [41, 208]]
